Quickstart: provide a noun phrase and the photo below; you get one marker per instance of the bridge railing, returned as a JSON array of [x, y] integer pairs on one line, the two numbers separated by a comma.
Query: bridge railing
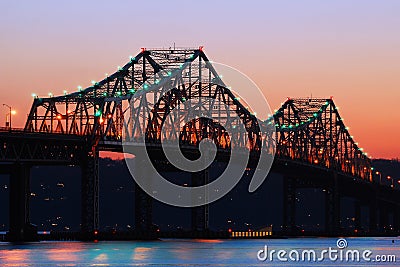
[[8, 129]]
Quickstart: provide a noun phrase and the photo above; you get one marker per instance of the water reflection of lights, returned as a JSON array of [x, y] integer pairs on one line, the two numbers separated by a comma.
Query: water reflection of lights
[[207, 240], [141, 253], [101, 257], [184, 253], [15, 257], [65, 252]]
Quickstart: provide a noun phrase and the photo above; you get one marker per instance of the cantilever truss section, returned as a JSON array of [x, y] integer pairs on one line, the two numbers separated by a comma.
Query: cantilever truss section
[[312, 131], [152, 98], [171, 94]]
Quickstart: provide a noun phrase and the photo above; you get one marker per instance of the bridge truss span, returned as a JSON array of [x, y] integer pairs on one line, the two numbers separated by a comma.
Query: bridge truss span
[[161, 94], [312, 131]]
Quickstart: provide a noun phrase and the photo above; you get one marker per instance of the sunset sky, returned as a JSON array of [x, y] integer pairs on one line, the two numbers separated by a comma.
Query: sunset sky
[[346, 49]]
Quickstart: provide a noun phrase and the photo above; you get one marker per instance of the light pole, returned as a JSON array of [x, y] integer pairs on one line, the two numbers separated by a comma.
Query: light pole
[[12, 112], [380, 177], [390, 178]]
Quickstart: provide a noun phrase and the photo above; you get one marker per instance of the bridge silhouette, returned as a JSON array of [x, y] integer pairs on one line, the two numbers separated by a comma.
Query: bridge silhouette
[[311, 144]]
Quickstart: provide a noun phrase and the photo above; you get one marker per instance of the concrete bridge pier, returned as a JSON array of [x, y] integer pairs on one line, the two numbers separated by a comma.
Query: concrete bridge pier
[[332, 207], [383, 217], [357, 216], [373, 216], [200, 214], [143, 202], [90, 195], [289, 205], [396, 218], [20, 227]]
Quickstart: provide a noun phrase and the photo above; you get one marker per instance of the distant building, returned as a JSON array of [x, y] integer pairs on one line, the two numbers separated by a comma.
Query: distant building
[[264, 232]]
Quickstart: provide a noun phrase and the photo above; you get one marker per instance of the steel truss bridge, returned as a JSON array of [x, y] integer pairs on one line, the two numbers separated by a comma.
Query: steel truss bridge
[[311, 143]]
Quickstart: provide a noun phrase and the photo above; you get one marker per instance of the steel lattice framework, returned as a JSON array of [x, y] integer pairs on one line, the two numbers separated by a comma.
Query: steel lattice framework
[[151, 92], [312, 131]]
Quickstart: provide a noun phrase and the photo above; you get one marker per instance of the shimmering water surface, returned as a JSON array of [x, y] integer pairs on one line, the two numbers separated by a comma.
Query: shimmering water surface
[[184, 252]]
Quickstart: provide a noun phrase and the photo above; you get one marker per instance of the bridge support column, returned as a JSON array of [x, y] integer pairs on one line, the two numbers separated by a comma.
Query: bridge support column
[[90, 195], [373, 220], [289, 205], [383, 217], [20, 227], [357, 216], [396, 219], [143, 202], [200, 214], [332, 208]]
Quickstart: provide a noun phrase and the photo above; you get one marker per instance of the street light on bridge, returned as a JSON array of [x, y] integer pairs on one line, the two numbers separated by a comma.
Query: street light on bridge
[[380, 176], [390, 178], [9, 115]]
